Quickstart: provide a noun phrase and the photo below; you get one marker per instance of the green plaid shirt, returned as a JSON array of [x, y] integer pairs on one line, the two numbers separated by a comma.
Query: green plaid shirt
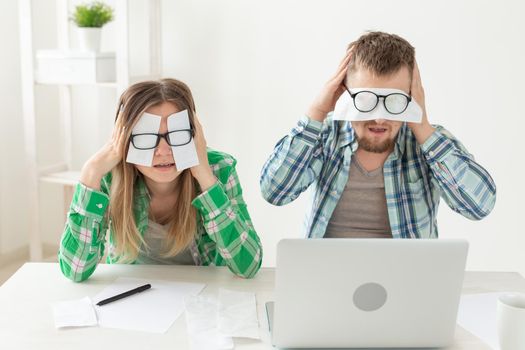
[[225, 234]]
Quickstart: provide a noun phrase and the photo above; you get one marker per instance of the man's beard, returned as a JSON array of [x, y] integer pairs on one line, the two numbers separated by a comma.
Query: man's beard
[[375, 147]]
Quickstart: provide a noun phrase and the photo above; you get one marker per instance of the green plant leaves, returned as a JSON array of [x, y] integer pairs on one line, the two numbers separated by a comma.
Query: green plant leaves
[[93, 15]]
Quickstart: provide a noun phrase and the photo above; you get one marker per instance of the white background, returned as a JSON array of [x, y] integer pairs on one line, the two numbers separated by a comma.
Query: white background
[[254, 67]]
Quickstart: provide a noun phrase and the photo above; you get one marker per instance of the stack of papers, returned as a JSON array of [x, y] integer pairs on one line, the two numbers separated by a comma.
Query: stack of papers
[[212, 322], [153, 310], [74, 313], [237, 313]]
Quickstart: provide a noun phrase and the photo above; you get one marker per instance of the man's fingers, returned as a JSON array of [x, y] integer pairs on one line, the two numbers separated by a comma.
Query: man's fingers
[[344, 63], [343, 66], [416, 79], [341, 73], [338, 79], [416, 74]]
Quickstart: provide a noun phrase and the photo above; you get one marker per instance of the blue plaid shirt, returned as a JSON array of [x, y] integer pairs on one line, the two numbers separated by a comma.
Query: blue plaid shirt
[[416, 176]]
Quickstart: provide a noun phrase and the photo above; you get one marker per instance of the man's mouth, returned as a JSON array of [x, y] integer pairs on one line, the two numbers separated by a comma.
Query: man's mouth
[[377, 130], [164, 165]]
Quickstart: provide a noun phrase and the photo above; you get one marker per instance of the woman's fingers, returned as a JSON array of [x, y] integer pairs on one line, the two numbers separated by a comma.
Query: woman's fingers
[[197, 122], [199, 132], [118, 136], [120, 141]]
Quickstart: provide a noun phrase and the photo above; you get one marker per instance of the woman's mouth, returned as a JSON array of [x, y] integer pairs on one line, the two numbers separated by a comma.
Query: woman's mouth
[[164, 166]]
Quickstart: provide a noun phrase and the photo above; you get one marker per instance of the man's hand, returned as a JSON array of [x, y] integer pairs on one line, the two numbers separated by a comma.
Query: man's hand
[[422, 130], [333, 89]]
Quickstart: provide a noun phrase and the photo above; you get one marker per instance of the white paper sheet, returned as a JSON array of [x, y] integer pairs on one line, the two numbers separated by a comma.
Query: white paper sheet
[[202, 324], [148, 123], [153, 310], [478, 315], [74, 313], [345, 109], [238, 314], [186, 155]]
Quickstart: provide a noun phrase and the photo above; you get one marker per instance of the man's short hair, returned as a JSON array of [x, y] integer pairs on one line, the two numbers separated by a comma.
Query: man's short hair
[[381, 53]]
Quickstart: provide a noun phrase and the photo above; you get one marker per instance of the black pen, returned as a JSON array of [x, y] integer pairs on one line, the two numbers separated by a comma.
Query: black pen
[[125, 294]]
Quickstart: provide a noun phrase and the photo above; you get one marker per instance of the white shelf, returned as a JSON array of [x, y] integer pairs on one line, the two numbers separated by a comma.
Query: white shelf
[[132, 80], [61, 173], [66, 178], [107, 84], [138, 78]]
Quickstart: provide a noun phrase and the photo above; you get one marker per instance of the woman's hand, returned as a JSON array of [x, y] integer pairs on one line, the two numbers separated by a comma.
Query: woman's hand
[[202, 172], [105, 159], [333, 89]]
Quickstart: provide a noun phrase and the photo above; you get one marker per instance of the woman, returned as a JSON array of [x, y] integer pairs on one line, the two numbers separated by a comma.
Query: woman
[[157, 214]]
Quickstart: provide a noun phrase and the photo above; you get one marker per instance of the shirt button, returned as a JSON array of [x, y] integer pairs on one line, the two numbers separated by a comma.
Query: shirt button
[[334, 193], [431, 153]]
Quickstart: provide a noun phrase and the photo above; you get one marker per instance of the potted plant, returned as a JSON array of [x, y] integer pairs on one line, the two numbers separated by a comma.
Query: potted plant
[[89, 19]]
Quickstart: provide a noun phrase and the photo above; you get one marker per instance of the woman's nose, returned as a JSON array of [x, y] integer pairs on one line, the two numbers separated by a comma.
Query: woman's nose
[[163, 148]]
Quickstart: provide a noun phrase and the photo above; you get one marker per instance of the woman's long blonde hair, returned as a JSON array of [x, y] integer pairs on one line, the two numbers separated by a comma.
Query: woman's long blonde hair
[[127, 239]]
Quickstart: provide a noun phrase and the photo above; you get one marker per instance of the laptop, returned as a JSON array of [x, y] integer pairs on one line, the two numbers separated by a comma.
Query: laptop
[[366, 293]]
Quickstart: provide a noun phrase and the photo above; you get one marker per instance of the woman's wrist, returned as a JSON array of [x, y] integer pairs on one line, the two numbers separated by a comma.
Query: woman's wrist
[[89, 177], [205, 178]]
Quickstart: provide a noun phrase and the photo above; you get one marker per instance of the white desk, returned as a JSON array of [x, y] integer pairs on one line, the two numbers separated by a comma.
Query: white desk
[[26, 318]]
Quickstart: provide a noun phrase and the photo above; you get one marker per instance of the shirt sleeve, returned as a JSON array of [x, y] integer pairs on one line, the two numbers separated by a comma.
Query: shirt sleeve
[[82, 243], [228, 224], [294, 164], [465, 185]]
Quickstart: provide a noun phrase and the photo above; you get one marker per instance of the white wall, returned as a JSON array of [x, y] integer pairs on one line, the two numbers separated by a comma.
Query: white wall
[[12, 226], [255, 66]]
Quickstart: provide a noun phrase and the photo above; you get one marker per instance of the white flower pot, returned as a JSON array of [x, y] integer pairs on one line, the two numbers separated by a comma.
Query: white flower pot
[[89, 38]]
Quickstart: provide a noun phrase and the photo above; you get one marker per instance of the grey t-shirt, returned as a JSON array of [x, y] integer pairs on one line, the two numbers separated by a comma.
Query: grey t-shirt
[[154, 237], [361, 211]]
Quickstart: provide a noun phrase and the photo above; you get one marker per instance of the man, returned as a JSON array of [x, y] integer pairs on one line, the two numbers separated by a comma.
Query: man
[[375, 178]]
